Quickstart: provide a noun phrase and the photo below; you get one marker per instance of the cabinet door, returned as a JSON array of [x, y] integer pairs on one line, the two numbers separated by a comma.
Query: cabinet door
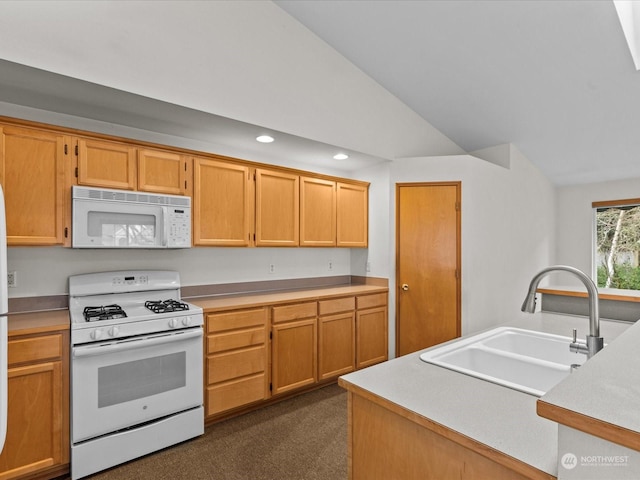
[[222, 203], [33, 179], [352, 215], [294, 354], [106, 164], [317, 212], [35, 420], [162, 172], [371, 339], [277, 209], [336, 345]]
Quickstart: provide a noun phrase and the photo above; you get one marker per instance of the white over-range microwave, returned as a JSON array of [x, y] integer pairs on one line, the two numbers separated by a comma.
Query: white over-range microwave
[[104, 218]]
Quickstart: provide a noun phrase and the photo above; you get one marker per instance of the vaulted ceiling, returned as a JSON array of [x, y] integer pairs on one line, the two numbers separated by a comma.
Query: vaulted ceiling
[[555, 78]]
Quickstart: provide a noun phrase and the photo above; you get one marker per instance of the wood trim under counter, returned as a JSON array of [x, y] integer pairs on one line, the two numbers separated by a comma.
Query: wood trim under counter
[[603, 296], [592, 426]]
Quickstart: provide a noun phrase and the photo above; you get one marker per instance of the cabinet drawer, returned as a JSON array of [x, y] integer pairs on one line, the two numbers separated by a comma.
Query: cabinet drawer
[[236, 339], [34, 349], [369, 301], [235, 394], [235, 364], [219, 322], [336, 305], [296, 311]]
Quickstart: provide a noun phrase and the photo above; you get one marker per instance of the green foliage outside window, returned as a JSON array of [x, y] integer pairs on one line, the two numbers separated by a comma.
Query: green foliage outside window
[[618, 247]]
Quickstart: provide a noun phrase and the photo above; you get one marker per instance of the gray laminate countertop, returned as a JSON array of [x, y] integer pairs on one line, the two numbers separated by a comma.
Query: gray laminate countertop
[[497, 416]]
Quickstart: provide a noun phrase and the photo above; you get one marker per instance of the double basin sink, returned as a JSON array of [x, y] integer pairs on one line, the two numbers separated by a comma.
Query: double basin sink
[[525, 360]]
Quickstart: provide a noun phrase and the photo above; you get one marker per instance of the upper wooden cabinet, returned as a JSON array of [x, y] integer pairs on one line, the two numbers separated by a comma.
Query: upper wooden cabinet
[[277, 209], [222, 203], [235, 202], [124, 167], [317, 212], [162, 172], [352, 215], [106, 164], [333, 213], [32, 174], [336, 337]]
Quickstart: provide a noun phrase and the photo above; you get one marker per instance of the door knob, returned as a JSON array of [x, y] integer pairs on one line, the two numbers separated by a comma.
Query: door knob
[[405, 287]]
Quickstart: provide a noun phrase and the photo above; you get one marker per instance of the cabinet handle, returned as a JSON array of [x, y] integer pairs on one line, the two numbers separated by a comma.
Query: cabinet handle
[[405, 287]]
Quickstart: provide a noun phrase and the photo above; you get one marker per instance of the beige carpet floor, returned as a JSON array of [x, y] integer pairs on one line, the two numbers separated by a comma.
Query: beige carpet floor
[[302, 438]]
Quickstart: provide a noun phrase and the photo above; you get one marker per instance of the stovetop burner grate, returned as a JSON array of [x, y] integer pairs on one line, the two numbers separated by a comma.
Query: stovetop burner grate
[[163, 306], [103, 312]]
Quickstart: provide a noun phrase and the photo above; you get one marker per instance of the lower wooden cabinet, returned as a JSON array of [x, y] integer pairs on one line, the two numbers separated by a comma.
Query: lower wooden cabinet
[[38, 406], [294, 347], [336, 339], [294, 355], [236, 370], [372, 332], [309, 342]]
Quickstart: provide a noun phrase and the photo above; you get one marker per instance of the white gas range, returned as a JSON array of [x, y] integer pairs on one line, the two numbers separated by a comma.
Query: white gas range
[[136, 367]]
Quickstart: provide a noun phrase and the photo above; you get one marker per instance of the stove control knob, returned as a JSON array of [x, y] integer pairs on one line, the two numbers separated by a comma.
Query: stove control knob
[[96, 334], [173, 323], [113, 331], [186, 321]]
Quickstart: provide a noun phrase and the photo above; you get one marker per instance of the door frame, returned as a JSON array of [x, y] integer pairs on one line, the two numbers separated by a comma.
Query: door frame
[[458, 185]]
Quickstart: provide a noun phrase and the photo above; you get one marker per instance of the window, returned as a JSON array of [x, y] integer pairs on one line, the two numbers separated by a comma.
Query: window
[[617, 244]]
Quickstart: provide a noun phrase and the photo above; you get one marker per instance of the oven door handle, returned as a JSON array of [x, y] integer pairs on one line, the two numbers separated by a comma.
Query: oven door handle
[[95, 350]]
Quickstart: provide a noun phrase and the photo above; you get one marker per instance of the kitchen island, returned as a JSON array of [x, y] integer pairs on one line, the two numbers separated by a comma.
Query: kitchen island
[[413, 420]]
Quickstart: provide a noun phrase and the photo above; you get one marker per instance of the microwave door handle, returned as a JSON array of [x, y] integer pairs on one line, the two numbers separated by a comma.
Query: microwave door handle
[[95, 350]]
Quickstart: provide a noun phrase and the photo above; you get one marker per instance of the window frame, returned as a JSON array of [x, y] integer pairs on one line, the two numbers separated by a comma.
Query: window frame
[[627, 202]]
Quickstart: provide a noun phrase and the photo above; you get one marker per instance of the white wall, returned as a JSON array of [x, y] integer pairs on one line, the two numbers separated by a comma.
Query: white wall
[[507, 231], [45, 270], [249, 61], [574, 229], [378, 257]]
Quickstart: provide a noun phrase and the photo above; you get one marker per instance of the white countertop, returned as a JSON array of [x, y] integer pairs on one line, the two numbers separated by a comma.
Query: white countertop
[[502, 418], [607, 387]]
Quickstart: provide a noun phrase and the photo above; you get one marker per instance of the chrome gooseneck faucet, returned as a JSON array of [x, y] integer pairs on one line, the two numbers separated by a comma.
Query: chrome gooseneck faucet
[[595, 342]]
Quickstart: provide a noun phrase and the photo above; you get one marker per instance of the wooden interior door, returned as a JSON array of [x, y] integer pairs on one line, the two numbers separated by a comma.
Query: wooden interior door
[[427, 264]]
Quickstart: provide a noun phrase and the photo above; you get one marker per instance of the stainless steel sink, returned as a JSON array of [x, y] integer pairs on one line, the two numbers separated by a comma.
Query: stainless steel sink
[[525, 360]]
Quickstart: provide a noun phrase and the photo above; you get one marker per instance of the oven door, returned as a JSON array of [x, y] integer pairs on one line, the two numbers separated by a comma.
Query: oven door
[[120, 384]]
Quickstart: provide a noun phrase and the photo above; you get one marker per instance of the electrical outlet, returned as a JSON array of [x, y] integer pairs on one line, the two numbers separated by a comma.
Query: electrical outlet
[[12, 279], [272, 268], [368, 266], [330, 265]]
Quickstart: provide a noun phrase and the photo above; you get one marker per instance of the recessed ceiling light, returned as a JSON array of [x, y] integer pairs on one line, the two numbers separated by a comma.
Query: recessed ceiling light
[[265, 139], [340, 156]]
